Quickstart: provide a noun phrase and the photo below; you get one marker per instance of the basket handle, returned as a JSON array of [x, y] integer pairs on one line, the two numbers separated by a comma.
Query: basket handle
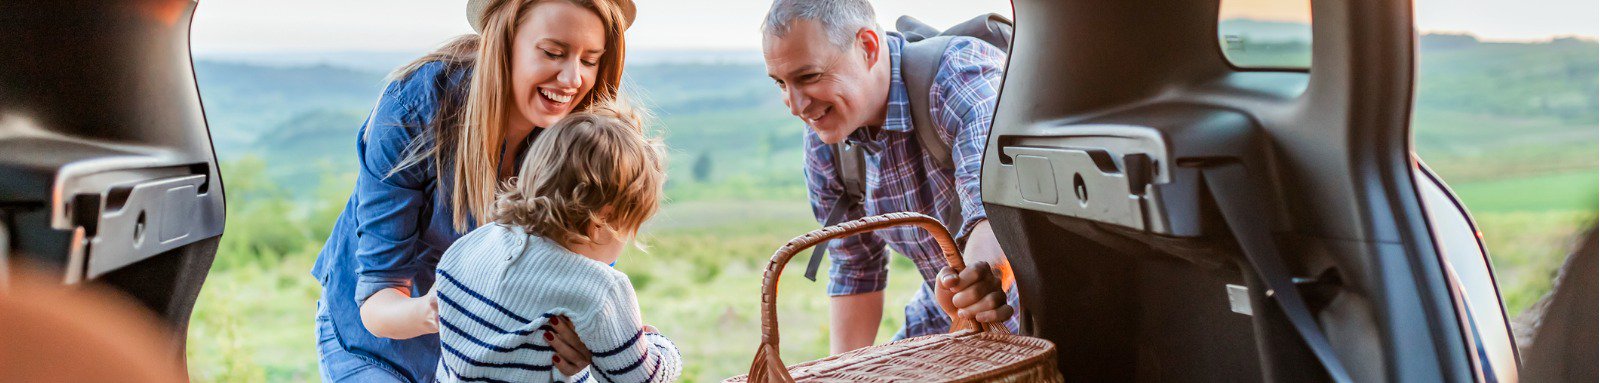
[[767, 366]]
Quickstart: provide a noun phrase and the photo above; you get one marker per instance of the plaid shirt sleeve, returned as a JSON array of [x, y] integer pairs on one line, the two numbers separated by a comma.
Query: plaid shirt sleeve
[[963, 97], [860, 262]]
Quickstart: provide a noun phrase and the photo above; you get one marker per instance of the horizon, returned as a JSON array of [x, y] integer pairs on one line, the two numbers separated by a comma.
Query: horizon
[[232, 27], [385, 60], [226, 52]]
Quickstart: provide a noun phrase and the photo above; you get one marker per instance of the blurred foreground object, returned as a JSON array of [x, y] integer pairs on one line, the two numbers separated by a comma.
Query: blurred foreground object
[[1562, 346], [85, 333], [107, 173]]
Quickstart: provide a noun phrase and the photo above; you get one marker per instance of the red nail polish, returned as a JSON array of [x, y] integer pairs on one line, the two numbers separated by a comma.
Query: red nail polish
[[555, 320], [547, 336], [556, 358]]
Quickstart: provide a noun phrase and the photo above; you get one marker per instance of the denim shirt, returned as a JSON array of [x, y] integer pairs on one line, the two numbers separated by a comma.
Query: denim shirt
[[396, 226]]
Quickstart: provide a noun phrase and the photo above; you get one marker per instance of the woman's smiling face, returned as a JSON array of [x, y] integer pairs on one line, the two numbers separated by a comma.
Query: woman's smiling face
[[555, 56]]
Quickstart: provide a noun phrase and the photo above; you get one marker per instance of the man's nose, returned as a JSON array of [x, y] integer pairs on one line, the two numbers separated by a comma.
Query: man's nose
[[796, 101]]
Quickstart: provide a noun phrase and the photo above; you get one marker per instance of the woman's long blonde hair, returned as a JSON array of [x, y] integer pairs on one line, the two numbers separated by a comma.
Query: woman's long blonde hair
[[466, 141]]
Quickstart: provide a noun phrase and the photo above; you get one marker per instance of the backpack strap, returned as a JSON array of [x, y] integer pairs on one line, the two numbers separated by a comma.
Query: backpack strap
[[850, 164], [919, 63]]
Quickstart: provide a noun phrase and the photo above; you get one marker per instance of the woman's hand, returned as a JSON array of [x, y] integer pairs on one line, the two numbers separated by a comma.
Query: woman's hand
[[973, 294], [572, 356], [427, 306], [392, 313]]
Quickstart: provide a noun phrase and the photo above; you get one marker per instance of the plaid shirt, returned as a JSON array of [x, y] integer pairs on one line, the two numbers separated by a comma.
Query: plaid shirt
[[900, 177]]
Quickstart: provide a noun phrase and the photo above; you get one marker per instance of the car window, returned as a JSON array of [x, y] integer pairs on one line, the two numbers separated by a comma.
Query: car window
[[1265, 33], [286, 85], [1505, 113]]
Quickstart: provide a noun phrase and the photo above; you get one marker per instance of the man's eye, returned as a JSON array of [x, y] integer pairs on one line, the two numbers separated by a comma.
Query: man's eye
[[810, 77]]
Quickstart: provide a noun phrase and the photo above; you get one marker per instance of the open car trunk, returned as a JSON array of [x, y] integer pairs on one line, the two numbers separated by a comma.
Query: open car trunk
[[107, 174], [1171, 217]]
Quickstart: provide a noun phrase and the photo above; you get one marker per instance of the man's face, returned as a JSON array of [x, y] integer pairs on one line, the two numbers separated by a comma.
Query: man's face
[[831, 88]]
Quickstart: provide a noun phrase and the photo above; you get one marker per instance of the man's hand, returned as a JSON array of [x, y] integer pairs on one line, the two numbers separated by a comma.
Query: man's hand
[[572, 356], [982, 246], [973, 294], [978, 292]]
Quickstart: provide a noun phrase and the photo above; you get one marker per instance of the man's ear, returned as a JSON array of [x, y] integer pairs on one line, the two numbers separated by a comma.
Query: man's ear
[[871, 45]]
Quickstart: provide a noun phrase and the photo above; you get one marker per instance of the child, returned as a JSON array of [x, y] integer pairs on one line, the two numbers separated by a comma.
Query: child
[[530, 296]]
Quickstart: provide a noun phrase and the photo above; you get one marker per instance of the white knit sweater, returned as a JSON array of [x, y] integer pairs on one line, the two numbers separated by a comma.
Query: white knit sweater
[[498, 287]]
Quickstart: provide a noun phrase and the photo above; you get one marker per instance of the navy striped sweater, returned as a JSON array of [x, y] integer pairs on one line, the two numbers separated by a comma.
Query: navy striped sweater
[[498, 288]]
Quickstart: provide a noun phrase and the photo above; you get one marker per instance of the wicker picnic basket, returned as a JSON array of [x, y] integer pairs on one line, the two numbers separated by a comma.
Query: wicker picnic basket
[[971, 352]]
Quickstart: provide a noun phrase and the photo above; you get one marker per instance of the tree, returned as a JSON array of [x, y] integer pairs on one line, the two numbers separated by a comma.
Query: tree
[[702, 167]]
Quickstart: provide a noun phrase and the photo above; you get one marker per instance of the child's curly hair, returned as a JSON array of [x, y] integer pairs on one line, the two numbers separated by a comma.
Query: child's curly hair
[[594, 167]]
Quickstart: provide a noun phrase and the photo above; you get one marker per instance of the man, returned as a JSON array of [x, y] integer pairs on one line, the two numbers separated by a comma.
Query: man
[[840, 73]]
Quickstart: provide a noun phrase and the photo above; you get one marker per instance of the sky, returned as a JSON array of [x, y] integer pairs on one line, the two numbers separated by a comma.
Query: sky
[[254, 26]]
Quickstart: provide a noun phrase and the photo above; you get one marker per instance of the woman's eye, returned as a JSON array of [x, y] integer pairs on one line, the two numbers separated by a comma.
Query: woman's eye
[[553, 55], [591, 63]]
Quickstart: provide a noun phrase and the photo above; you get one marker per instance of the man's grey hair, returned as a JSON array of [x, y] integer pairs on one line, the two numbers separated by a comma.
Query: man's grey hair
[[839, 18]]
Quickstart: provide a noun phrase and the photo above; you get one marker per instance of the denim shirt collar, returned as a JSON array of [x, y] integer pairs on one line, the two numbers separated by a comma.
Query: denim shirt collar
[[897, 113]]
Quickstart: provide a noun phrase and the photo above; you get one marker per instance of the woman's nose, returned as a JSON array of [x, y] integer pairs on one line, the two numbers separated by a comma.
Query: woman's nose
[[571, 74]]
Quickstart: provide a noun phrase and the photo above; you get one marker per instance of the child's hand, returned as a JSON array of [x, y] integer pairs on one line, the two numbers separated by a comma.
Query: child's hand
[[572, 356], [973, 294]]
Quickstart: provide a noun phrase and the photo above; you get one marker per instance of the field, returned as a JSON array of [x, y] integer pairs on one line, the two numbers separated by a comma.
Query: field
[[699, 283], [1511, 127]]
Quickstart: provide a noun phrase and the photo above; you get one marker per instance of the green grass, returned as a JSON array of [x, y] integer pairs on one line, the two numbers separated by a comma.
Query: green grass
[[253, 323], [1465, 146], [1568, 191], [700, 279], [700, 283]]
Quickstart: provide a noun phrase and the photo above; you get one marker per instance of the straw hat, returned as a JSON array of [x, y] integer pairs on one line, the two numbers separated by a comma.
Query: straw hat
[[476, 8]]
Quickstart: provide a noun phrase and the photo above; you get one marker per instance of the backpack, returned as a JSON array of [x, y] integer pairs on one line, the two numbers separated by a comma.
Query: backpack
[[919, 62]]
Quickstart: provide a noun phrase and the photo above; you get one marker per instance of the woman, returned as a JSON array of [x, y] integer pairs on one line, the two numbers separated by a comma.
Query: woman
[[448, 129]]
